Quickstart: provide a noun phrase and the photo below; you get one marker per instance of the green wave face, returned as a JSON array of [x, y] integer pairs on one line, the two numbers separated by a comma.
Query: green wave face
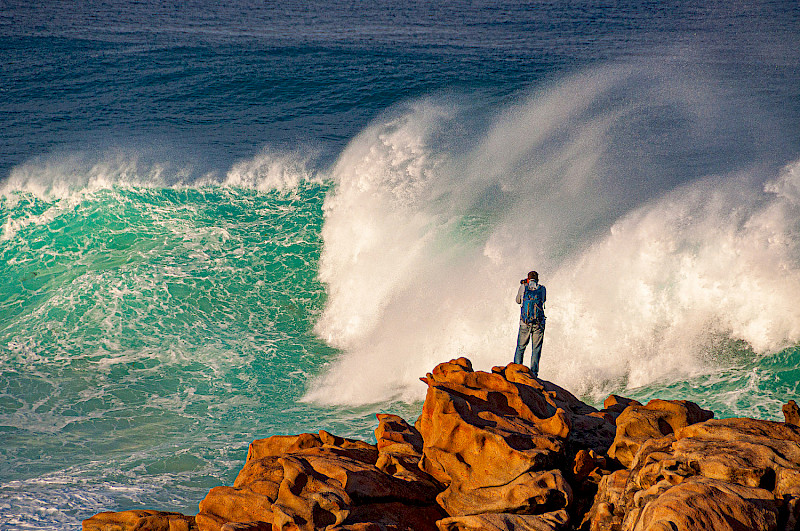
[[153, 332]]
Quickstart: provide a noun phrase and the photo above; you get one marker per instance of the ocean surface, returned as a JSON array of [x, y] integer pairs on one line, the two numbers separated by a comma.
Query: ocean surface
[[221, 223]]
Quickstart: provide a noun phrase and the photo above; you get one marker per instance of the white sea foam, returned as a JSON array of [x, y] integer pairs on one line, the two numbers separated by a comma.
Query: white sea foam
[[271, 171], [75, 175], [67, 181], [62, 176], [628, 189]]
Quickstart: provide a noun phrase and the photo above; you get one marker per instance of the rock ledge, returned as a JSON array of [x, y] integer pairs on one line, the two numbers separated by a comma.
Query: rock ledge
[[505, 451]]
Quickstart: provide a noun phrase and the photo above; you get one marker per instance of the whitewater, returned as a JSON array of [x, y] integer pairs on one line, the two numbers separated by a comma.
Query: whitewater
[[657, 266], [219, 228]]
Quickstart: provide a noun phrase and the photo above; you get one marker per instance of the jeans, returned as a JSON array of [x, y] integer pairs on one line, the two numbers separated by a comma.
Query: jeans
[[533, 333]]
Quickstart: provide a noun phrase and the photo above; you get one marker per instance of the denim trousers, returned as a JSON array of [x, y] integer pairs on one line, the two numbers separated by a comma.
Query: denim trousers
[[533, 334]]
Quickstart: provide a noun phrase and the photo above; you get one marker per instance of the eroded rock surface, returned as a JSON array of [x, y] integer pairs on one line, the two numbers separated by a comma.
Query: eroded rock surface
[[637, 424], [553, 521], [502, 451], [139, 520], [719, 474], [499, 441], [309, 481]]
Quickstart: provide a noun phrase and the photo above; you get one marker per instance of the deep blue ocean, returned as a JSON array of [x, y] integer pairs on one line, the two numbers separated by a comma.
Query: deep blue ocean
[[221, 223]]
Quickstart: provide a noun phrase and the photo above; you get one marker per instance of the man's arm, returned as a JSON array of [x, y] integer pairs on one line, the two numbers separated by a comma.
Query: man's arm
[[520, 293]]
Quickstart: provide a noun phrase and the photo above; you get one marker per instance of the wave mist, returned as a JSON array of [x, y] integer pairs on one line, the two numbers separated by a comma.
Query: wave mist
[[659, 208]]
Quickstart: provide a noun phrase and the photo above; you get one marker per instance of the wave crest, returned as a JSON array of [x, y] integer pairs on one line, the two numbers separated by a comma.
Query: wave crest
[[652, 217]]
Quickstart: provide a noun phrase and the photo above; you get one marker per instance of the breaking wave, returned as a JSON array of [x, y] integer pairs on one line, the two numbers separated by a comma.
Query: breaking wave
[[664, 226]]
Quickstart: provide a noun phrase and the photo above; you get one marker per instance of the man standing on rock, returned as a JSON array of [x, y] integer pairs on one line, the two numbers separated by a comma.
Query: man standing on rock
[[531, 296]]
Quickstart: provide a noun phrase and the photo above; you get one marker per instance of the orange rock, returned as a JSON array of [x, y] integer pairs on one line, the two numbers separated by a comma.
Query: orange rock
[[492, 439], [530, 492], [232, 504], [496, 451], [444, 371], [589, 428], [262, 476], [139, 520], [751, 467], [400, 452], [609, 504], [791, 413], [459, 423], [658, 418], [246, 526], [361, 480], [700, 504], [742, 429], [585, 461], [308, 500], [392, 516], [369, 450], [756, 453], [211, 522], [552, 521], [318, 482], [555, 396], [617, 404], [279, 445], [395, 431]]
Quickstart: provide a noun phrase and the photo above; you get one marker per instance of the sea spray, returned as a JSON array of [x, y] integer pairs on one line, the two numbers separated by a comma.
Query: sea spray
[[631, 190], [677, 281]]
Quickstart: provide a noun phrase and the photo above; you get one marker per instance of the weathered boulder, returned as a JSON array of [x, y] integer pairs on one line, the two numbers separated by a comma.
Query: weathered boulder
[[617, 404], [791, 412], [502, 451], [755, 453], [658, 418], [279, 445], [482, 433], [751, 467], [391, 516], [246, 526], [393, 431], [589, 428], [498, 440], [399, 454], [233, 504], [310, 481], [700, 504], [553, 521], [139, 520]]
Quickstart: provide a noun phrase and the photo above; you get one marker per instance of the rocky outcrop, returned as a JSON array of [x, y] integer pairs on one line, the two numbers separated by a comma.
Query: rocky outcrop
[[499, 442], [139, 520], [506, 522], [310, 481], [750, 467], [504, 451], [791, 412], [638, 424]]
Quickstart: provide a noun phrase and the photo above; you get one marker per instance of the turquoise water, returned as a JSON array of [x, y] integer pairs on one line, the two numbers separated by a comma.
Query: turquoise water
[[150, 333], [756, 387], [220, 223]]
